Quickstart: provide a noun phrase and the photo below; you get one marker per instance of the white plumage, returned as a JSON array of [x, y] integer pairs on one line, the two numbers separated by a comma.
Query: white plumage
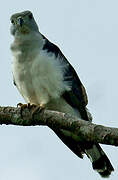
[[44, 77], [39, 77]]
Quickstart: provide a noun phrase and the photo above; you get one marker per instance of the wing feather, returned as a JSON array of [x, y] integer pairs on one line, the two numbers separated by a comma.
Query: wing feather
[[77, 97]]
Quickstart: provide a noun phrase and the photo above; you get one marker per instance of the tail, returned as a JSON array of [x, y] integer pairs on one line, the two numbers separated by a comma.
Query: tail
[[100, 161]]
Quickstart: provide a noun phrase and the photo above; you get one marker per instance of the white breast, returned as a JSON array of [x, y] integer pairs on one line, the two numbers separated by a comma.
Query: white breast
[[39, 78]]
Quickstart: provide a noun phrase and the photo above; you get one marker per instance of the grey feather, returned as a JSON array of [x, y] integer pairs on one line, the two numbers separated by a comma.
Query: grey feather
[[44, 76]]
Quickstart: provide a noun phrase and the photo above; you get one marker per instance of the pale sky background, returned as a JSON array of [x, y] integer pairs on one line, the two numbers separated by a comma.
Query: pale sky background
[[87, 33]]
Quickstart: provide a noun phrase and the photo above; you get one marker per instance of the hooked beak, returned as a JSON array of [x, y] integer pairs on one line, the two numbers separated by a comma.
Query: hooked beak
[[20, 21]]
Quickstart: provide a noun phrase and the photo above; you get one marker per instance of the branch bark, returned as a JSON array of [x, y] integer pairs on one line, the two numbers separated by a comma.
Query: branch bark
[[78, 129]]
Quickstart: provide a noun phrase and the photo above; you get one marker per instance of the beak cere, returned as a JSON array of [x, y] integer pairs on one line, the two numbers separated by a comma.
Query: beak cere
[[20, 21]]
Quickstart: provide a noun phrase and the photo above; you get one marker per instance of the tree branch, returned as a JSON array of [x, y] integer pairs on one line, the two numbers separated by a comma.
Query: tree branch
[[78, 129]]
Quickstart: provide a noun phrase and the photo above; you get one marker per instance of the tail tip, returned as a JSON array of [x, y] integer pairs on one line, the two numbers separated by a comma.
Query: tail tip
[[103, 166]]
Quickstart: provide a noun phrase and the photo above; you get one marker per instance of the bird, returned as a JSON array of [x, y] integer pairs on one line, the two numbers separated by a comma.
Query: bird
[[45, 78]]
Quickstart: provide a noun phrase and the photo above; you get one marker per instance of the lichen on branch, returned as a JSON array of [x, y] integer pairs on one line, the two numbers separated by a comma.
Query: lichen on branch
[[78, 129]]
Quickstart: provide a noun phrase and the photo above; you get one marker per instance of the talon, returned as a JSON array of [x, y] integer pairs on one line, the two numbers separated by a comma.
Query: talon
[[22, 107], [33, 107], [19, 104], [37, 108]]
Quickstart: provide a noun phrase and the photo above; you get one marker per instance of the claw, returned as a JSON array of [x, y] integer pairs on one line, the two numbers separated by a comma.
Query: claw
[[37, 108], [33, 107], [22, 107]]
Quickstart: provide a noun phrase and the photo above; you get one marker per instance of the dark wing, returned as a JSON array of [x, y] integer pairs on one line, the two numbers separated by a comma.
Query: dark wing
[[77, 97]]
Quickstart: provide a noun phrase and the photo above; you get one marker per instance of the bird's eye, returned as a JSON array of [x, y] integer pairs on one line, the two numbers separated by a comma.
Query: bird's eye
[[12, 21], [30, 16]]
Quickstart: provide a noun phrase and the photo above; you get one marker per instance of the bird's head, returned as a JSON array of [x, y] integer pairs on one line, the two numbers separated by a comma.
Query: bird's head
[[23, 23]]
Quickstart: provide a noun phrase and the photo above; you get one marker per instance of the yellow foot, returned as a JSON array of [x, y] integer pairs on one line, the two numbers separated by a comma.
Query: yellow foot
[[22, 107], [37, 108], [33, 107]]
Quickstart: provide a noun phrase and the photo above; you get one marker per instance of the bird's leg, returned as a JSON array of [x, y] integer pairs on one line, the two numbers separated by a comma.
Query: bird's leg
[[37, 108], [22, 107]]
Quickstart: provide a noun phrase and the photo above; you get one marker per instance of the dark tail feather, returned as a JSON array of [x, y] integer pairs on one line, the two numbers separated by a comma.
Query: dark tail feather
[[103, 166], [100, 161], [70, 142]]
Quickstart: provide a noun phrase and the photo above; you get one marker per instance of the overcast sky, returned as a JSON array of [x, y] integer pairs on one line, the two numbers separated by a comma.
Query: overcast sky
[[87, 33]]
